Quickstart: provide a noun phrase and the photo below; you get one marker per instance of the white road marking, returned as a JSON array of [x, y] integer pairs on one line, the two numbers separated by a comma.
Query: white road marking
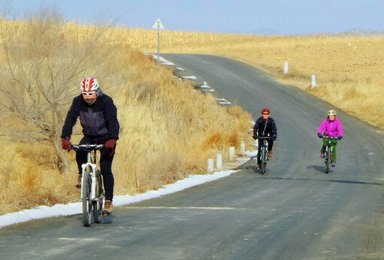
[[168, 207]]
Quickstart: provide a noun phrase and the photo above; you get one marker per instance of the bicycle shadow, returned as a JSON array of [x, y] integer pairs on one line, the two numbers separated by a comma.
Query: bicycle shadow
[[253, 168], [319, 168], [107, 219], [104, 219]]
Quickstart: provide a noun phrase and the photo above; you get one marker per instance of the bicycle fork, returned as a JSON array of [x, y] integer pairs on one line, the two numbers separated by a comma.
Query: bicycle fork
[[329, 150], [93, 178], [266, 150]]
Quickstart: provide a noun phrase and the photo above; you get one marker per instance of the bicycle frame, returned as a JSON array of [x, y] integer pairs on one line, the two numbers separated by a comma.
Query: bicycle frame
[[328, 152], [90, 163], [91, 192]]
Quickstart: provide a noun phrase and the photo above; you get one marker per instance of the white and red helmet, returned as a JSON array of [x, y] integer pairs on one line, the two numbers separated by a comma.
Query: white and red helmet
[[265, 111], [331, 112], [89, 84]]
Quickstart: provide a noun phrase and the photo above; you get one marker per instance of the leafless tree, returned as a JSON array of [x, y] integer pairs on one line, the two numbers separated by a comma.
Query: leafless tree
[[43, 66]]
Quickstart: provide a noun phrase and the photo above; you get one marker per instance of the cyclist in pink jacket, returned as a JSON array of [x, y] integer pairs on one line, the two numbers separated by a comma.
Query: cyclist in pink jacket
[[330, 127]]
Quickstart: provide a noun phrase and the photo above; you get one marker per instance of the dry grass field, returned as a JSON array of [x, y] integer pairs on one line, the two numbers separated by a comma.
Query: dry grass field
[[163, 137], [348, 67]]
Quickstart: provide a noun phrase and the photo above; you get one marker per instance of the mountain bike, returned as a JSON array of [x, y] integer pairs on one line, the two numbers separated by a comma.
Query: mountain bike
[[328, 152], [91, 192], [264, 154]]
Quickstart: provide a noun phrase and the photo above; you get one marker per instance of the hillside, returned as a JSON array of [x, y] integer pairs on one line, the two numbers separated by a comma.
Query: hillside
[[168, 130]]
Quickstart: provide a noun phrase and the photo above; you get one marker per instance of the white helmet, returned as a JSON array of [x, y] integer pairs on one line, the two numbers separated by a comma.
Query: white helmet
[[331, 112], [89, 84]]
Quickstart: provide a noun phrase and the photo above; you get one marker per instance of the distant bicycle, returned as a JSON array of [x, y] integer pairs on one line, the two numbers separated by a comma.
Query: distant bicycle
[[328, 152], [264, 153], [92, 192]]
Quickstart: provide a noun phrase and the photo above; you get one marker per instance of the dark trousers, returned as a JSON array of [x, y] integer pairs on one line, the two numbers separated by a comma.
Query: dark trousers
[[260, 142], [106, 158]]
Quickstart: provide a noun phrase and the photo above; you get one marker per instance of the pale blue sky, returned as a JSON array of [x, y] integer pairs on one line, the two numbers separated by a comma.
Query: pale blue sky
[[281, 17]]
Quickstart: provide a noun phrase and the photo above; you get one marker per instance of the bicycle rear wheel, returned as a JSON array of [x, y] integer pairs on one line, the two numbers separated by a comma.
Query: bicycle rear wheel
[[98, 204], [86, 199]]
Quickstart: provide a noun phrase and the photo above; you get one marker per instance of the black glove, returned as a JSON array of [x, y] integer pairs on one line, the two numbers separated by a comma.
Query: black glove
[[339, 137], [274, 137], [319, 135]]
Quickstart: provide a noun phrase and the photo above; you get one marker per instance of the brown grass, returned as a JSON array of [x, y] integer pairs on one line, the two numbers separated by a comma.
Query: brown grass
[[27, 178], [162, 133], [348, 67]]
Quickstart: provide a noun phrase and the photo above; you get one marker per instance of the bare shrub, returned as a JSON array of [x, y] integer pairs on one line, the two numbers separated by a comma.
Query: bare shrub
[[42, 66]]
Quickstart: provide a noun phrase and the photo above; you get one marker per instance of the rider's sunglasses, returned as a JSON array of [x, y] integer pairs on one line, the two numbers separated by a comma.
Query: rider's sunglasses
[[88, 93], [265, 114]]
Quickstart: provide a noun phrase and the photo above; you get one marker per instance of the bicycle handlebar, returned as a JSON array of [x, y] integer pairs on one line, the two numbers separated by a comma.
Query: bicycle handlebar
[[326, 136], [87, 147], [264, 137]]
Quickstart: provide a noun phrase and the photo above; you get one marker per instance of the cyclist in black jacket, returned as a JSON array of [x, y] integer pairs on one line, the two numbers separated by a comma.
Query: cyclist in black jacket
[[98, 118], [264, 126]]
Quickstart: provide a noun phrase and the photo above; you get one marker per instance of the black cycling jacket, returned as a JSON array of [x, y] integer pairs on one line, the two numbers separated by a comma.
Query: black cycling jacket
[[265, 128], [98, 120]]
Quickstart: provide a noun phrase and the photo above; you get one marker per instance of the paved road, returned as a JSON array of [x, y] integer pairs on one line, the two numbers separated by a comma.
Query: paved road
[[295, 212]]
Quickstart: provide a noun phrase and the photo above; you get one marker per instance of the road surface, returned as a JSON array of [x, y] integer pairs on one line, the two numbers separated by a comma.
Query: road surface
[[296, 211]]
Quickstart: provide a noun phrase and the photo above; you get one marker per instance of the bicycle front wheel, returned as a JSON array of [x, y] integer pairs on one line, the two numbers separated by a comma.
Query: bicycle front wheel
[[86, 199], [327, 160], [264, 160]]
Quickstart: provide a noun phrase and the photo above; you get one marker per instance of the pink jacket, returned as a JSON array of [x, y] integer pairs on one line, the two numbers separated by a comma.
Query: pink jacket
[[331, 128]]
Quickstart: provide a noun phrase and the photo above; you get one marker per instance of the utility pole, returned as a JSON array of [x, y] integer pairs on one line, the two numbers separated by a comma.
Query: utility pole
[[158, 26]]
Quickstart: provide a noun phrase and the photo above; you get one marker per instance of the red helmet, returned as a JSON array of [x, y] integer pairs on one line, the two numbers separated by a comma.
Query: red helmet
[[89, 84], [265, 111]]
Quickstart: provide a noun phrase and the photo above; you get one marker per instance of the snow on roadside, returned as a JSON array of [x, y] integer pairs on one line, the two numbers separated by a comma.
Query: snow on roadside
[[118, 200]]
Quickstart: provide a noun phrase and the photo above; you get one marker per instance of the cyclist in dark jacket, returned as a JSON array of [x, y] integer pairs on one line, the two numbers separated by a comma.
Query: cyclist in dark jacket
[[264, 126], [98, 118]]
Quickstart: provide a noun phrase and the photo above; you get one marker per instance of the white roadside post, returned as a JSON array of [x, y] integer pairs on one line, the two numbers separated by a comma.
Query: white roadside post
[[313, 81], [242, 147], [158, 26], [285, 69], [219, 162], [231, 153], [210, 167]]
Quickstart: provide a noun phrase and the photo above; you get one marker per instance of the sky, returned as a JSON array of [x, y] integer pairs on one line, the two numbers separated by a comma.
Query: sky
[[266, 17]]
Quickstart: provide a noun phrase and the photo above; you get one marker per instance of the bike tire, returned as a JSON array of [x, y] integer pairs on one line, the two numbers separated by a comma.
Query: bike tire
[[86, 200], [98, 204], [327, 160], [263, 161]]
